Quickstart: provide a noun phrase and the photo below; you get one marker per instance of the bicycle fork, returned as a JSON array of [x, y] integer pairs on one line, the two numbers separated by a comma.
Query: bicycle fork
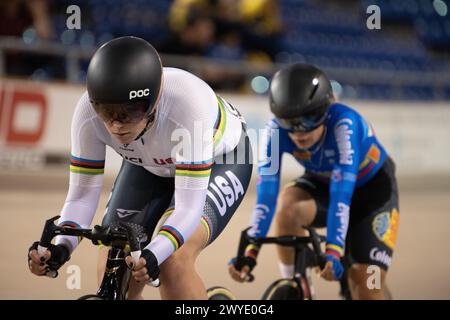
[[115, 281]]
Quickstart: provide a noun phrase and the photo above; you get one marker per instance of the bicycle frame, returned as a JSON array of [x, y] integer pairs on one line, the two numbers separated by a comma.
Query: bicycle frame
[[304, 262], [305, 257]]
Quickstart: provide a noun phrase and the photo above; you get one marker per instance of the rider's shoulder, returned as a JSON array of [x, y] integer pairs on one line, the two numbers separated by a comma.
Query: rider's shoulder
[[185, 96], [177, 81], [341, 113], [84, 108]]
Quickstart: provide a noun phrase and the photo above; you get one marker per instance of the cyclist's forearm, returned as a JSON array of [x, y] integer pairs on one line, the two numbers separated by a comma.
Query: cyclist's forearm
[[181, 224], [337, 221], [267, 191], [78, 212], [263, 214]]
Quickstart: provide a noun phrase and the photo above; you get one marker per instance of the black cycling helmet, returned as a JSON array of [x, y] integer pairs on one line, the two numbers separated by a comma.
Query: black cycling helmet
[[124, 79], [300, 95]]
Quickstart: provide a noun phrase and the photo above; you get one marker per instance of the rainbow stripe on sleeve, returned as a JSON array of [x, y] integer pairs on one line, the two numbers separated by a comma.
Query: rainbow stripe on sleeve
[[251, 251], [175, 237], [371, 159], [194, 169], [86, 166], [334, 250], [71, 224]]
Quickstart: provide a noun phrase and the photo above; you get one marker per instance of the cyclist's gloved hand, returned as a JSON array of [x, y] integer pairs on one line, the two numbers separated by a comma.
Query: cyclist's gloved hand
[[333, 269], [240, 266], [146, 269], [243, 263], [53, 259]]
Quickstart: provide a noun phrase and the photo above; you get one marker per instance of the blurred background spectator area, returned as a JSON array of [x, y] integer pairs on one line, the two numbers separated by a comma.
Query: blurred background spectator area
[[236, 45]]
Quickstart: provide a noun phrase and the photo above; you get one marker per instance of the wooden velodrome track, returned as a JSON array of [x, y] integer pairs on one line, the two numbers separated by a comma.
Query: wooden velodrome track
[[420, 268]]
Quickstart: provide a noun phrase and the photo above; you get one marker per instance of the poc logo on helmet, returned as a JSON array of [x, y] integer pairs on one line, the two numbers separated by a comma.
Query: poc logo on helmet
[[139, 93]]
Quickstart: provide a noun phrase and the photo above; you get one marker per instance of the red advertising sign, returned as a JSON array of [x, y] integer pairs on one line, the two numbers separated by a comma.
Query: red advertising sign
[[11, 102]]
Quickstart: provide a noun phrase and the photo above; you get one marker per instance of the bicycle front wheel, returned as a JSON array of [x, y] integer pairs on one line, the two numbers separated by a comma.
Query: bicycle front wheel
[[90, 297], [220, 293], [283, 289]]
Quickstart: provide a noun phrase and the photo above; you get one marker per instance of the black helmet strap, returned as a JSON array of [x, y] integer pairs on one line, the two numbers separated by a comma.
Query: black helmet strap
[[150, 120], [144, 130]]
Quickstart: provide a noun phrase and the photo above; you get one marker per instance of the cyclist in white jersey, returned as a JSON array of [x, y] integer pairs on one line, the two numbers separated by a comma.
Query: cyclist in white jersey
[[187, 158]]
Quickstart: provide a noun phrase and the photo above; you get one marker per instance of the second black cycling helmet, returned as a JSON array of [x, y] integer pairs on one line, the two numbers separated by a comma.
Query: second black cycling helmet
[[300, 95]]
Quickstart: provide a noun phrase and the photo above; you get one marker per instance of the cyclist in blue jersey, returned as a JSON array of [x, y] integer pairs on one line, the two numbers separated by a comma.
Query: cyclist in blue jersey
[[349, 183]]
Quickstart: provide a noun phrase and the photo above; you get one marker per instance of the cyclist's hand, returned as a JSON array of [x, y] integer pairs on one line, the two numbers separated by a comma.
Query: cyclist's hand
[[35, 264], [333, 269], [240, 267], [53, 258], [146, 269]]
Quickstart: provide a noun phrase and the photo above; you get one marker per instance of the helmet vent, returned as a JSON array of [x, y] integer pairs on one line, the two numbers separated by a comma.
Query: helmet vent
[[315, 82]]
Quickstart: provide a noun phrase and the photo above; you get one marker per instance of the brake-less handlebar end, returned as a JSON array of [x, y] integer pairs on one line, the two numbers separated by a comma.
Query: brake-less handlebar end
[[48, 233], [46, 238], [53, 218], [249, 277], [155, 283]]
